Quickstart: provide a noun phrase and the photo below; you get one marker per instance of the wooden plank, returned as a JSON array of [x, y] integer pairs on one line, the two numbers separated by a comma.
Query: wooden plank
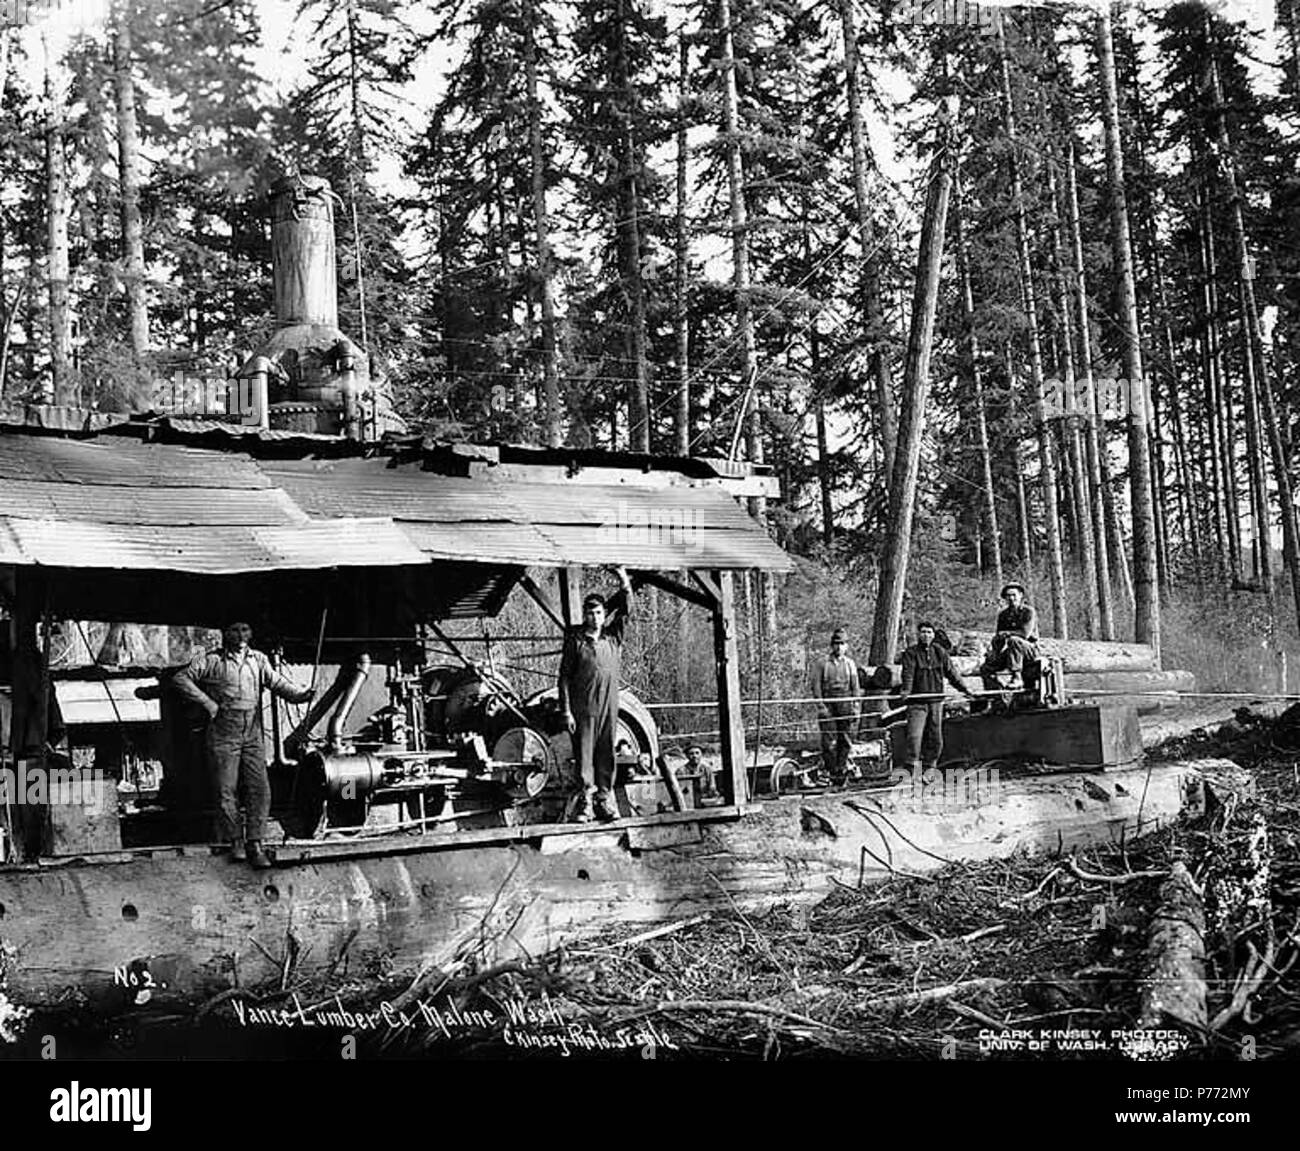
[[675, 588], [571, 595], [1097, 738], [543, 601]]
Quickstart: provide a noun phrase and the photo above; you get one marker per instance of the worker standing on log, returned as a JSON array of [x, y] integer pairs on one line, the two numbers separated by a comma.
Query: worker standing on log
[[228, 685], [835, 684], [589, 676], [926, 666], [1016, 639]]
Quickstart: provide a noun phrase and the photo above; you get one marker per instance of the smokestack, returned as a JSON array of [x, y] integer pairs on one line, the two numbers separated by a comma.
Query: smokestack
[[309, 376], [302, 252]]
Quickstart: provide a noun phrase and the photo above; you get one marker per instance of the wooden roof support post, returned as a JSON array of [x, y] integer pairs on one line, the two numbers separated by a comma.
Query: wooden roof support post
[[31, 703], [571, 595], [726, 656]]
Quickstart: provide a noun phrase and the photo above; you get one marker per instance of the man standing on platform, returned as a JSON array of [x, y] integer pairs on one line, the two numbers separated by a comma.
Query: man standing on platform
[[590, 667], [228, 685], [926, 667], [835, 684]]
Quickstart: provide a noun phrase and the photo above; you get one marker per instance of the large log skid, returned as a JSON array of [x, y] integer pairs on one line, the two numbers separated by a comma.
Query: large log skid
[[198, 928]]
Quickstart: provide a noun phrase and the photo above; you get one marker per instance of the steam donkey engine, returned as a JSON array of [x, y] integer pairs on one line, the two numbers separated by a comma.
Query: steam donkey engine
[[453, 745]]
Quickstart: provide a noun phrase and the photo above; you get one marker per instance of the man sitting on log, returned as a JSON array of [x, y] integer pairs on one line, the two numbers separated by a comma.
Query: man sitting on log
[[1016, 639]]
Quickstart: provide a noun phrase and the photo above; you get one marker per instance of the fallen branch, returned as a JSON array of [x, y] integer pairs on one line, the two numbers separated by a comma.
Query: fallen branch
[[1175, 984], [656, 933], [978, 1016], [1253, 974], [1037, 890], [343, 951], [935, 994], [738, 1006], [1091, 877]]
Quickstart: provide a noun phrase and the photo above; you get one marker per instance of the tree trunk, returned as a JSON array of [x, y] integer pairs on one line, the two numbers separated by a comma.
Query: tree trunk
[[1093, 430], [823, 450], [542, 233], [872, 309], [629, 240], [916, 387], [750, 416], [128, 163], [977, 382], [1146, 592], [1047, 464], [58, 209], [1255, 348], [681, 314], [1075, 455], [1218, 395], [739, 240]]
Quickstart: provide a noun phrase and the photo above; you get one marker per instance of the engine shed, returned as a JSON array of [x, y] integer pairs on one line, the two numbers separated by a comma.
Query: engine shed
[[338, 552]]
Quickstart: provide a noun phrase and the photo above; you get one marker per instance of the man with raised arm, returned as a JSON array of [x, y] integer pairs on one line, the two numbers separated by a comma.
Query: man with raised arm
[[590, 666]]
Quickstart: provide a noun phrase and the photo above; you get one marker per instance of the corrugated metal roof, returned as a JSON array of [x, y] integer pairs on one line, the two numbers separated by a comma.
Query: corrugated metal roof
[[659, 526], [206, 550], [138, 504], [117, 503], [124, 462]]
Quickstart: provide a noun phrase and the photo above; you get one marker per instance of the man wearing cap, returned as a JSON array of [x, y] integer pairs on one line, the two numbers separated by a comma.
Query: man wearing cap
[[228, 685], [926, 667], [1016, 639], [835, 685], [589, 677]]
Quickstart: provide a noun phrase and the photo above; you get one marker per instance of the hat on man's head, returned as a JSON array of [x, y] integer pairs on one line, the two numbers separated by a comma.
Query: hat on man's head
[[839, 635], [1017, 586]]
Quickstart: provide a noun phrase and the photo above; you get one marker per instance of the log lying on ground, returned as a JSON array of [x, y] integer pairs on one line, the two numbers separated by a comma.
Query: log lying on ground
[[1146, 690], [1175, 961], [1076, 654]]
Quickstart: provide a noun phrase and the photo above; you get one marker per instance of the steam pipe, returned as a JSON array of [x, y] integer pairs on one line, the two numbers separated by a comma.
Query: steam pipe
[[334, 732], [297, 739]]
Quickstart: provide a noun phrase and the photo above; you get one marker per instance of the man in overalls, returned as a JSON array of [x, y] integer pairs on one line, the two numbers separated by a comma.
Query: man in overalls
[[228, 685], [590, 667]]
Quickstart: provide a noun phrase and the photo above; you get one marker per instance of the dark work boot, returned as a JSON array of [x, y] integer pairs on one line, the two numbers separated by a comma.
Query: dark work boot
[[604, 808], [238, 853], [257, 857]]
